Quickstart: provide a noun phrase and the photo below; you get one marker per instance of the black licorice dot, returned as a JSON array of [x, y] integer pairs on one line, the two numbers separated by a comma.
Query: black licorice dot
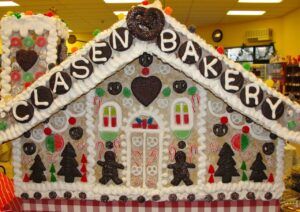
[[221, 196], [273, 136], [50, 66], [155, 198], [123, 198], [104, 198], [191, 197], [181, 144], [37, 195], [52, 195], [109, 145], [229, 109], [268, 196], [208, 198], [250, 196], [27, 134], [248, 120], [235, 196], [67, 195], [173, 197], [82, 195], [141, 199], [25, 196]]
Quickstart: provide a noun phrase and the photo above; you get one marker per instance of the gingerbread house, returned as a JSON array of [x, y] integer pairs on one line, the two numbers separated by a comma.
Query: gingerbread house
[[149, 111]]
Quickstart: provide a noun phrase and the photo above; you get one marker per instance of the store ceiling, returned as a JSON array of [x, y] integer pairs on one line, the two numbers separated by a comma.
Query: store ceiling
[[87, 15]]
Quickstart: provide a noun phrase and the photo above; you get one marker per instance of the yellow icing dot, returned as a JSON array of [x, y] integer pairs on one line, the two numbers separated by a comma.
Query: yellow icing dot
[[121, 16], [269, 83], [7, 98]]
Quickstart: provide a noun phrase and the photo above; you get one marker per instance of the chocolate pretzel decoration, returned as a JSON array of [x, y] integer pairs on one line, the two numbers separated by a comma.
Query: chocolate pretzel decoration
[[4, 170], [145, 23]]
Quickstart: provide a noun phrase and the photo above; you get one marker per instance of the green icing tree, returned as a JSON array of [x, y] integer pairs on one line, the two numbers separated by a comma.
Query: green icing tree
[[52, 171], [244, 168]]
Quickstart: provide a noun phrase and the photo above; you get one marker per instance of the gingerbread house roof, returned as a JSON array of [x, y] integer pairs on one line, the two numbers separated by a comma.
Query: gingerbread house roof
[[231, 82]]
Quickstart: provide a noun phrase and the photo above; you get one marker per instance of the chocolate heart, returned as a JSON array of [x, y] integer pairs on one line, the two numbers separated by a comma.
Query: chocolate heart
[[26, 58], [146, 90], [145, 24]]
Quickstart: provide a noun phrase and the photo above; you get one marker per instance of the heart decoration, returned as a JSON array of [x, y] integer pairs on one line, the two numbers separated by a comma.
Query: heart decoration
[[26, 58], [145, 89], [145, 23]]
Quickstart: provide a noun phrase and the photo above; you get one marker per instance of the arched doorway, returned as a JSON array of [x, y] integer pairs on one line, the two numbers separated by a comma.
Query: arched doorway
[[144, 148]]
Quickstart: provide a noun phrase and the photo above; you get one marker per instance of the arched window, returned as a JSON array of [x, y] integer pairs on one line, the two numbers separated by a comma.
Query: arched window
[[110, 120], [182, 117]]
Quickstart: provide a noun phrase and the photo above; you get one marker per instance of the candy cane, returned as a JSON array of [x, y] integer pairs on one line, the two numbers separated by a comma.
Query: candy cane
[[172, 152], [198, 98], [136, 156], [153, 156], [193, 103], [117, 146], [101, 150], [97, 103], [193, 150]]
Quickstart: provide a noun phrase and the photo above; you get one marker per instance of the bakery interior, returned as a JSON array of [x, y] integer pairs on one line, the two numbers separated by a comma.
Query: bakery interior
[[262, 35]]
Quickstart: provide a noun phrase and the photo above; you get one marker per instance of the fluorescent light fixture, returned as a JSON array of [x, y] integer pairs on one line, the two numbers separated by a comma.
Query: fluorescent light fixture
[[8, 4], [260, 1], [120, 12], [121, 1], [246, 12]]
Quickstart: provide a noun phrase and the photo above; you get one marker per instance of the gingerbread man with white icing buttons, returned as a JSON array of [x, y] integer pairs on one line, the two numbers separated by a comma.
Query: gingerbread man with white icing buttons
[[180, 169], [110, 168]]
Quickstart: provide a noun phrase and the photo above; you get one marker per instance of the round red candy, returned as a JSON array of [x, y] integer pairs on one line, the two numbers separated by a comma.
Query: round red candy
[[38, 74], [145, 71], [145, 2], [15, 42], [47, 131], [49, 13], [245, 129], [224, 120], [41, 41], [72, 120], [15, 75], [27, 84], [220, 49]]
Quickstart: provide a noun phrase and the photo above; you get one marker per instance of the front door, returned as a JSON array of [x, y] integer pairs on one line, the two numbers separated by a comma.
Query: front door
[[145, 153]]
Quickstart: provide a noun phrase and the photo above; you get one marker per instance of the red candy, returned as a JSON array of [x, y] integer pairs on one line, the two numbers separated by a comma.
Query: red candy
[[15, 75], [145, 2], [15, 42], [72, 120], [47, 131], [145, 71], [49, 13], [41, 41], [27, 84], [245, 129], [38, 74], [220, 49], [224, 120]]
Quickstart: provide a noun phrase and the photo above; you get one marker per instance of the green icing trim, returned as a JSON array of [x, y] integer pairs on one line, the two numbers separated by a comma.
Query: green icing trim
[[100, 92], [166, 92], [182, 134], [109, 136], [126, 92], [192, 90]]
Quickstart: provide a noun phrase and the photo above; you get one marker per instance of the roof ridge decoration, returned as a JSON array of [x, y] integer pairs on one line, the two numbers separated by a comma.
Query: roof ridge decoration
[[126, 40]]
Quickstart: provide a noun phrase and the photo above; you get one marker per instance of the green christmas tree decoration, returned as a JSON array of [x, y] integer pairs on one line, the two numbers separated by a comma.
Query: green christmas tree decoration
[[192, 91], [244, 166], [166, 92], [52, 171], [244, 176], [100, 92], [126, 92]]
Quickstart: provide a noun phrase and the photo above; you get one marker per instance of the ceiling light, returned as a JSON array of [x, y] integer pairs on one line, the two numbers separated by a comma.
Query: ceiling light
[[8, 4], [122, 1], [245, 12], [120, 12], [260, 1], [69, 30]]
